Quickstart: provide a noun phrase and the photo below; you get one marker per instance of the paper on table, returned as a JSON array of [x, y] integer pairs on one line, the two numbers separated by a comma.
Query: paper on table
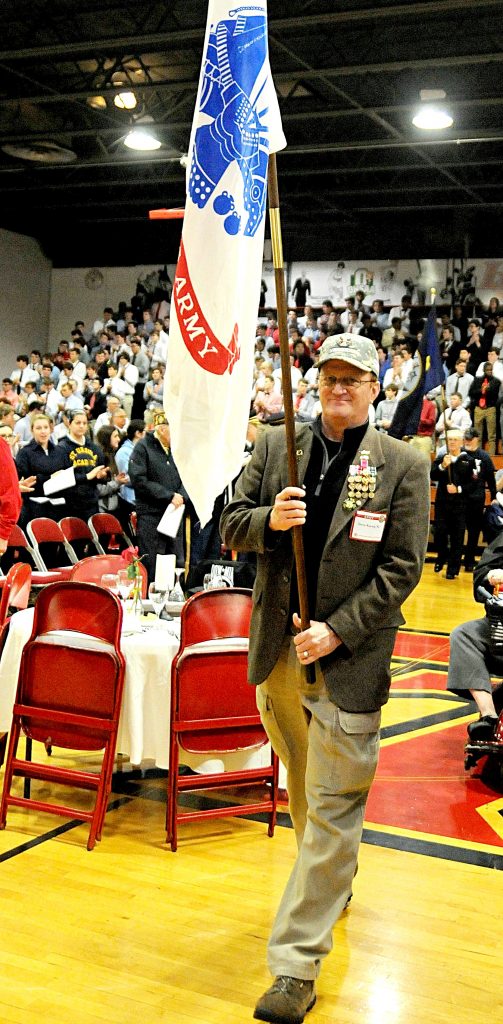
[[60, 481], [171, 520]]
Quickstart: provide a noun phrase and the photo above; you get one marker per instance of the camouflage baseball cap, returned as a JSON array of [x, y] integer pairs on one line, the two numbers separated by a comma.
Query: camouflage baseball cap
[[350, 348]]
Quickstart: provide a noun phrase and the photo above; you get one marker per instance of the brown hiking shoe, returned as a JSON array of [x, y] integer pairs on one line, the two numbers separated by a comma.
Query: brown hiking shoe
[[287, 1001]]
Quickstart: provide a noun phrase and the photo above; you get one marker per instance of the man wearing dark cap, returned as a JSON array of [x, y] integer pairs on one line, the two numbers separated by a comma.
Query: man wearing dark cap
[[364, 510]]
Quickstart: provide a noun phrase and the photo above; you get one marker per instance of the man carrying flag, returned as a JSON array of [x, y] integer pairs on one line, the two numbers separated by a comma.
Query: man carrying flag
[[430, 374], [214, 301], [363, 507]]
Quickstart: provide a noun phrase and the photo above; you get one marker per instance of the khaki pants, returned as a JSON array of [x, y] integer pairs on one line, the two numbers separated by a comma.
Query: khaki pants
[[286, 722], [340, 760], [487, 416]]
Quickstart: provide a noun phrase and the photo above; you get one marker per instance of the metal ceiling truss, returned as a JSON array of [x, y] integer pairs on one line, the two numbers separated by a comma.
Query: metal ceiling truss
[[347, 78]]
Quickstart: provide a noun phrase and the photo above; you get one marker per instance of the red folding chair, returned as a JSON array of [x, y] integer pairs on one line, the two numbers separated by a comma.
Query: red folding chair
[[20, 550], [50, 545], [78, 534], [69, 695], [92, 569], [15, 593], [213, 707], [16, 588], [108, 533]]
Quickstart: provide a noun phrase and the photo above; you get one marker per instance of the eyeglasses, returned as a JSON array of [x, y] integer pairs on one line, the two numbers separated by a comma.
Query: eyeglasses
[[346, 383]]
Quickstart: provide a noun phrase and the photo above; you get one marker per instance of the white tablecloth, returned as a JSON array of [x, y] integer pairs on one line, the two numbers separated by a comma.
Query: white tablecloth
[[145, 715]]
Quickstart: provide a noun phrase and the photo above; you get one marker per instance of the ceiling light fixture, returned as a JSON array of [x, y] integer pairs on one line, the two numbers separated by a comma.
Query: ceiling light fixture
[[430, 116], [125, 100], [138, 138], [96, 102]]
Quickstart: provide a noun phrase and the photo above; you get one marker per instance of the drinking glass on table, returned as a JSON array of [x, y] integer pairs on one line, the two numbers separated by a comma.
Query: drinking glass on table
[[158, 597], [110, 581], [177, 595], [126, 584]]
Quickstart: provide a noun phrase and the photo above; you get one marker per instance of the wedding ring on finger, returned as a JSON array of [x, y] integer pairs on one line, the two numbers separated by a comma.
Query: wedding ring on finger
[[305, 654]]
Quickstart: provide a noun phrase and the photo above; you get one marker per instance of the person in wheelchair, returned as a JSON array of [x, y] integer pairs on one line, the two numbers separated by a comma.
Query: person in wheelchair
[[477, 649]]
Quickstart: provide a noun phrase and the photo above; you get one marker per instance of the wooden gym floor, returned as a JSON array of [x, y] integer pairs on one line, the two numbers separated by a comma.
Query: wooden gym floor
[[132, 933]]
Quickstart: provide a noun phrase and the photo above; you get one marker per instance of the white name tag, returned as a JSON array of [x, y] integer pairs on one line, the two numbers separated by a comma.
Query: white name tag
[[368, 526]]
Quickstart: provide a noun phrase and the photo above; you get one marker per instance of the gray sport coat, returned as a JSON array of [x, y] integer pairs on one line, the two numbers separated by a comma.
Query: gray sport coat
[[361, 584]]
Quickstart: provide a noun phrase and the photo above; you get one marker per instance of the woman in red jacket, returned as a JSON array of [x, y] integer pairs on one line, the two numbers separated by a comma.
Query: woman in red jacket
[[10, 497]]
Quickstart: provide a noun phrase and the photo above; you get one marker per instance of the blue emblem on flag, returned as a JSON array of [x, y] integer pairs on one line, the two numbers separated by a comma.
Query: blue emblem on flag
[[235, 74]]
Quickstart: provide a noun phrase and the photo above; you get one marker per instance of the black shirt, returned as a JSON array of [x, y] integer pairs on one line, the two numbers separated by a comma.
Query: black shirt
[[325, 475]]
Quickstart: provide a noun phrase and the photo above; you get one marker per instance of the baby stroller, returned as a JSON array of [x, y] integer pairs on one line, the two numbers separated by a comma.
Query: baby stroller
[[491, 748]]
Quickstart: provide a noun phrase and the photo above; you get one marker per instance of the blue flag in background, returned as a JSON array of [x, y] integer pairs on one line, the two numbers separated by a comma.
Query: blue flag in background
[[430, 374]]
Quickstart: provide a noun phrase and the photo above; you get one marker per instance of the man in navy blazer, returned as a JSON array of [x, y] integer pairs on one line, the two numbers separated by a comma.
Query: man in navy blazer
[[363, 505]]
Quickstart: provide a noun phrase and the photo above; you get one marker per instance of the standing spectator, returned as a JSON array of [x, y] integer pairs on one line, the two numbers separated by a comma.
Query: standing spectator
[[369, 330], [387, 408], [41, 458], [476, 346], [86, 458], [268, 402], [153, 392], [94, 402], [8, 394], [120, 420], [423, 440], [156, 482], [402, 313], [24, 372], [346, 315], [10, 497], [452, 471], [119, 388], [108, 439], [493, 357], [378, 316], [301, 357], [394, 334], [482, 477], [79, 367], [453, 416], [484, 393], [127, 498], [140, 360], [72, 401], [460, 382], [301, 289], [304, 402]]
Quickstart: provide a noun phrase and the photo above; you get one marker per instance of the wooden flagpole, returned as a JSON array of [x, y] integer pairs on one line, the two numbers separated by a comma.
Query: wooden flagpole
[[286, 380]]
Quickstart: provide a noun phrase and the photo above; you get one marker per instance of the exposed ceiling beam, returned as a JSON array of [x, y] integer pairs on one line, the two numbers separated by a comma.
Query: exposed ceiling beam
[[178, 37], [321, 148], [305, 172], [287, 118], [311, 74]]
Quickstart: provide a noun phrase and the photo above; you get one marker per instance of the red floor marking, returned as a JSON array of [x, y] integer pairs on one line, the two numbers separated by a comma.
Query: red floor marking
[[421, 786], [422, 645], [417, 679]]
